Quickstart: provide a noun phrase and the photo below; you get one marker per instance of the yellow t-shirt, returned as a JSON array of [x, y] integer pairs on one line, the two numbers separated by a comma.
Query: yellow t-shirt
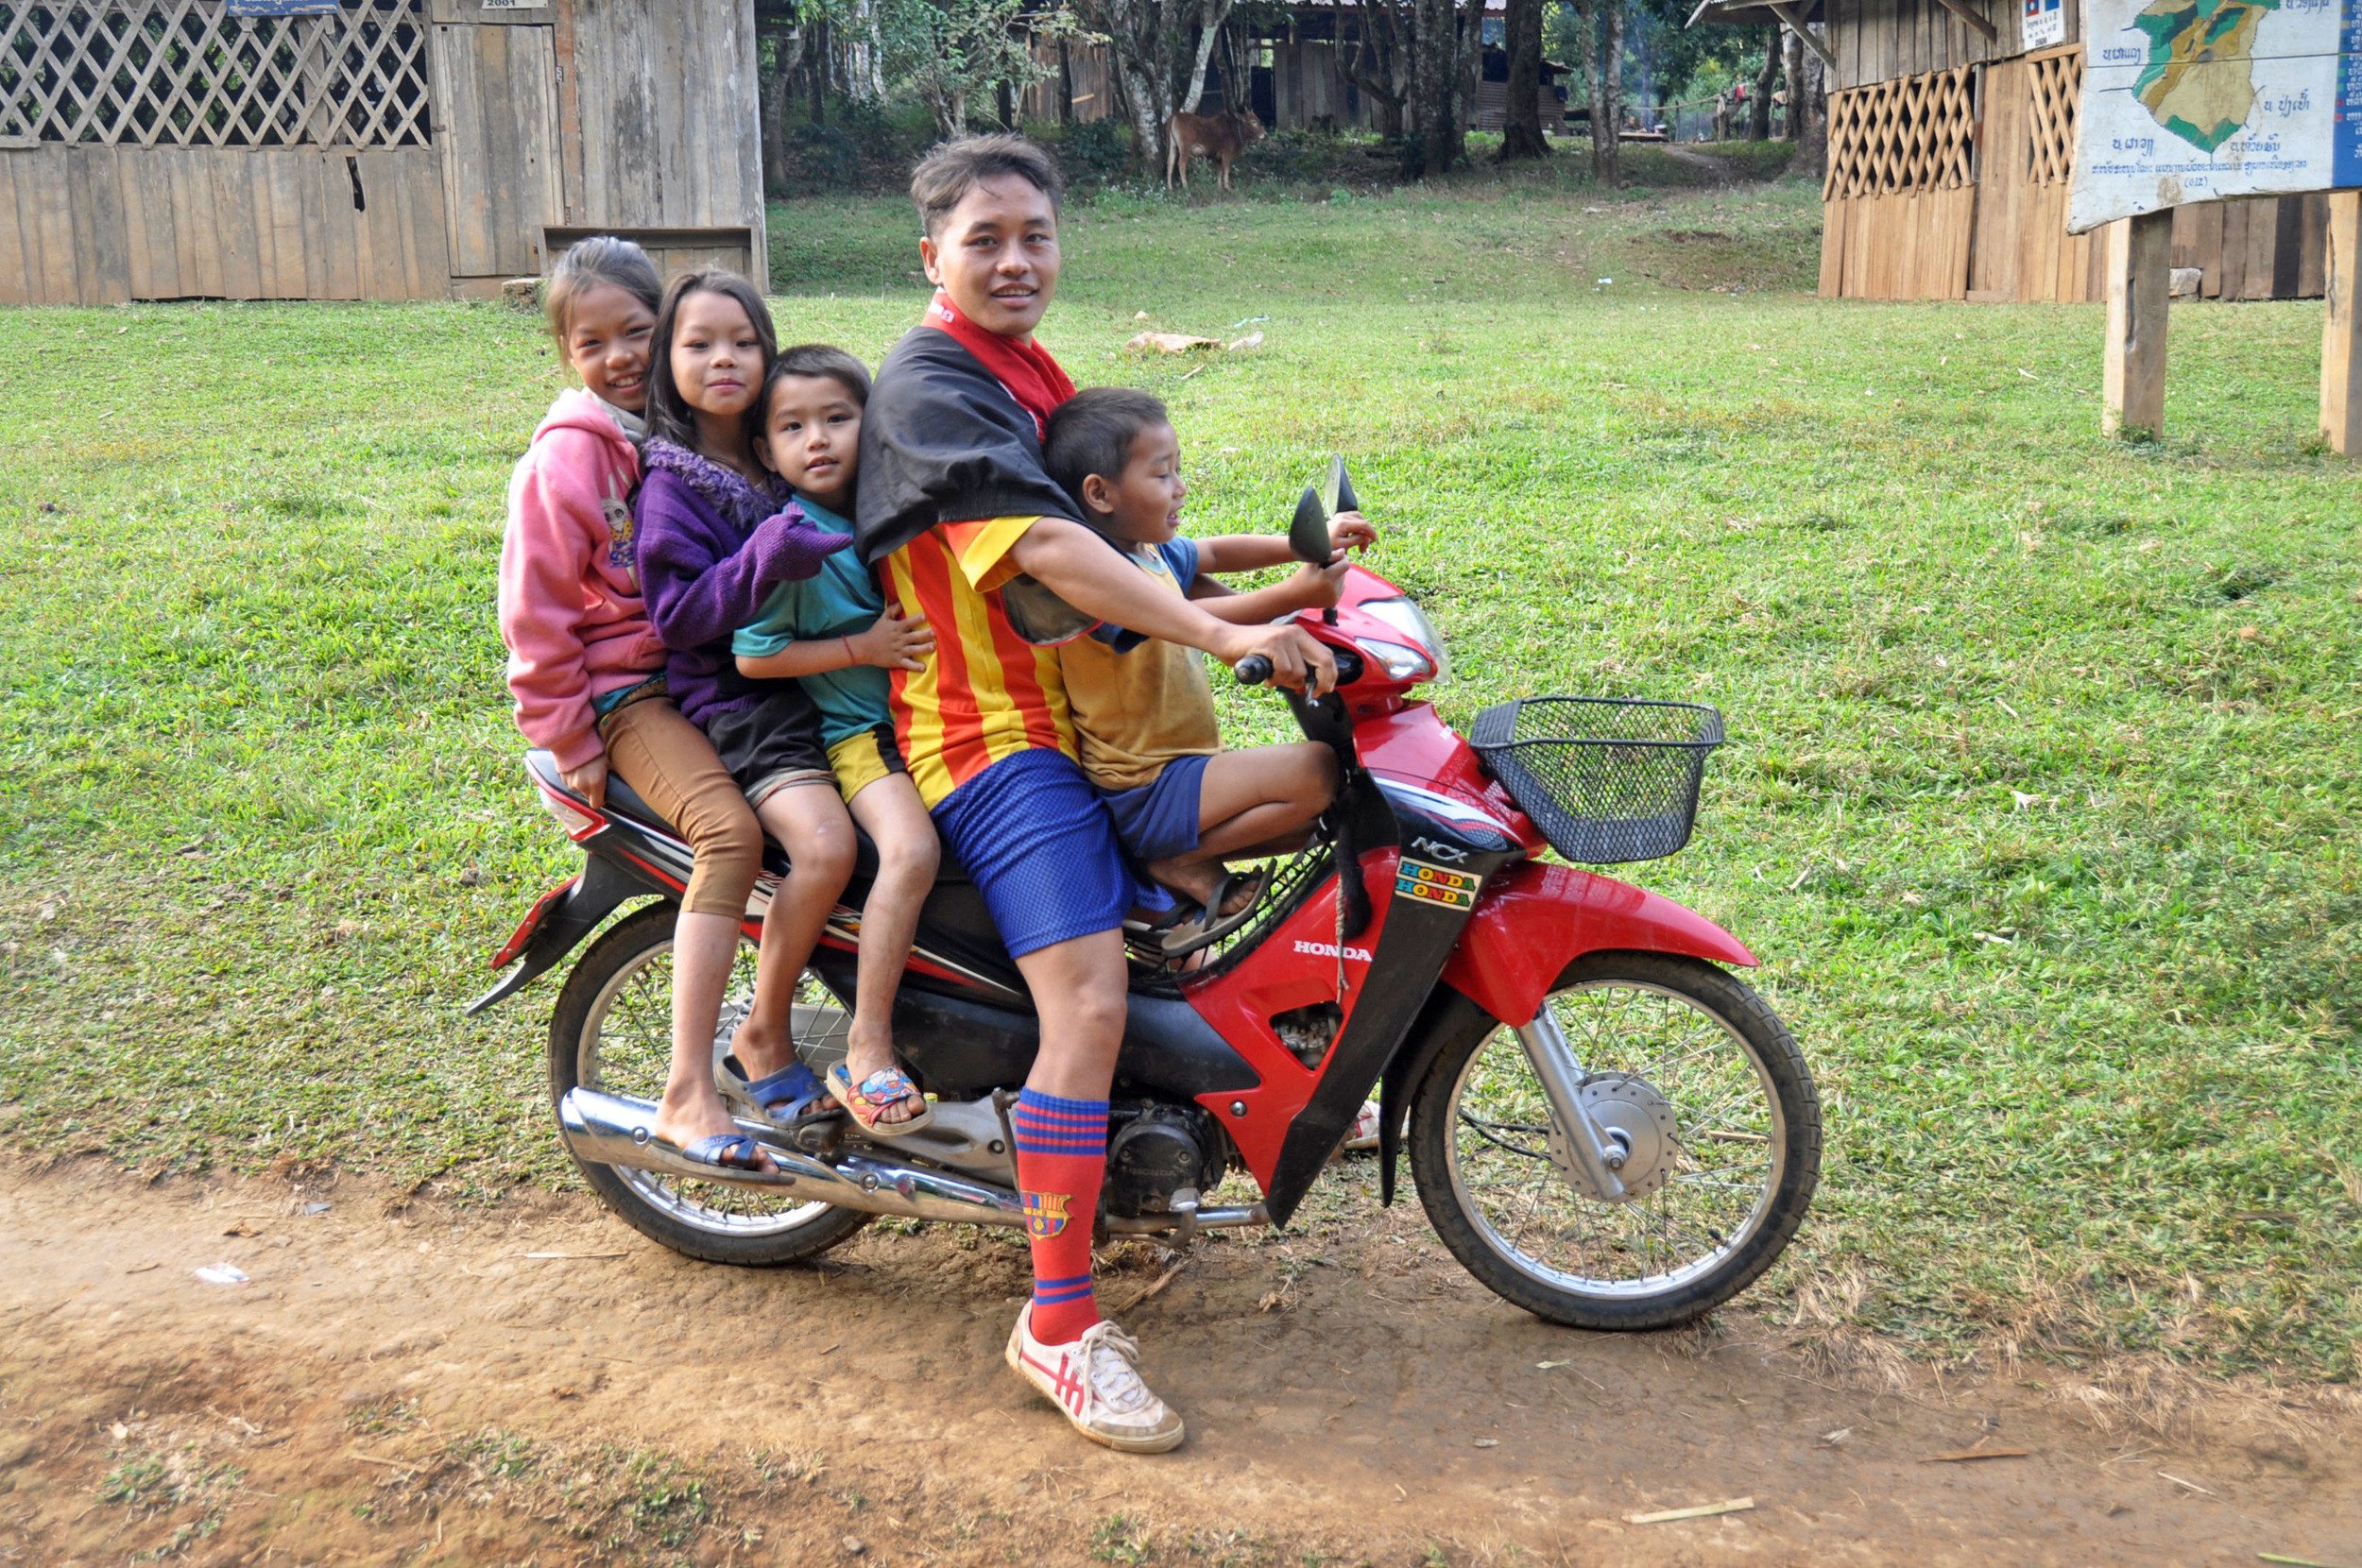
[[1135, 711], [986, 693]]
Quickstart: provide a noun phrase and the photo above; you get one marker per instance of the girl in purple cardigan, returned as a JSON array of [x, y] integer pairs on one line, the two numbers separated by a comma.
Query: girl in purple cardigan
[[714, 537]]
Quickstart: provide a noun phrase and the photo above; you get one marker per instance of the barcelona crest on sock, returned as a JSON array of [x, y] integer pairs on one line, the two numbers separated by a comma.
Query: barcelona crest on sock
[[1045, 1213]]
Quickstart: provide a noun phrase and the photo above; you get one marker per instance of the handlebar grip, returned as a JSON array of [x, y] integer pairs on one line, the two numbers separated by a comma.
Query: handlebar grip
[[1254, 670]]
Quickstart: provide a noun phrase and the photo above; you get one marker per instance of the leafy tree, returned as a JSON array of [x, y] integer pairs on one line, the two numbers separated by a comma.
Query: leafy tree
[[951, 53]]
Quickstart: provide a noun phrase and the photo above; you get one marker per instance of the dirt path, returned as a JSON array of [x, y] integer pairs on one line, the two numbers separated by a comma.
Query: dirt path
[[417, 1385]]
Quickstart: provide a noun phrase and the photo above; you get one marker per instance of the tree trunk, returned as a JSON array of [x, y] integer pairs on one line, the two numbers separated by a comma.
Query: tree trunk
[[1521, 131], [1607, 90], [1436, 85], [1066, 84], [1373, 63], [1469, 40], [787, 52], [818, 55], [1759, 107], [1812, 147], [1211, 14], [1795, 74]]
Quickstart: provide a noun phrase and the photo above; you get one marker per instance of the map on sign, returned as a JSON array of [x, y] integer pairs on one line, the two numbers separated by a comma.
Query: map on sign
[[2197, 100]]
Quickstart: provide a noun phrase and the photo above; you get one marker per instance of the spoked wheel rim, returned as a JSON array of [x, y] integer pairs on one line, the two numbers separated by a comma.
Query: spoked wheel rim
[[1695, 1108], [626, 1046]]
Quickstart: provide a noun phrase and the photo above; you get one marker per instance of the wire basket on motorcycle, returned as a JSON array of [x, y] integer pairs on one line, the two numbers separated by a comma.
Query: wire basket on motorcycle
[[1606, 779]]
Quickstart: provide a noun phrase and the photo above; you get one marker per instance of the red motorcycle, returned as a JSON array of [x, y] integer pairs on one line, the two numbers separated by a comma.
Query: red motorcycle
[[1606, 1125]]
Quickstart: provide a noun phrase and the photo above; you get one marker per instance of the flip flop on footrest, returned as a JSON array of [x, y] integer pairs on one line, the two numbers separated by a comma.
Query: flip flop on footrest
[[729, 1151], [1212, 926], [875, 1095], [783, 1099]]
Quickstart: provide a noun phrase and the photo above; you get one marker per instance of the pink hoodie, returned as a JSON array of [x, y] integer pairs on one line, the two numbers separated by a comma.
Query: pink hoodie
[[570, 605]]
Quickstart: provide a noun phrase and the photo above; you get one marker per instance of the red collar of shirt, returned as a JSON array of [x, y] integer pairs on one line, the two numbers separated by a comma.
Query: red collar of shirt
[[1032, 378]]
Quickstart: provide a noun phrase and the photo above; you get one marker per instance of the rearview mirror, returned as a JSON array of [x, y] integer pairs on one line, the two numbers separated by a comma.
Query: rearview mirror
[[1307, 534]]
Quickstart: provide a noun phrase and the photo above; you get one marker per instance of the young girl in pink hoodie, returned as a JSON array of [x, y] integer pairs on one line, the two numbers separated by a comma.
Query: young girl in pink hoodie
[[588, 672]]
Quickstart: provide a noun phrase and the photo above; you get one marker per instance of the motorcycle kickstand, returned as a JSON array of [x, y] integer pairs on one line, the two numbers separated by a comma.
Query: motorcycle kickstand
[[1596, 1159]]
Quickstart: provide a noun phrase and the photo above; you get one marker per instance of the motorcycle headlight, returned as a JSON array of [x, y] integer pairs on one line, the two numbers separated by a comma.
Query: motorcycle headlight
[[1400, 663], [1412, 622]]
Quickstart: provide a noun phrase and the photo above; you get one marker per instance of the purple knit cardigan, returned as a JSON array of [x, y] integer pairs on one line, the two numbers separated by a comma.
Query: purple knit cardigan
[[711, 548]]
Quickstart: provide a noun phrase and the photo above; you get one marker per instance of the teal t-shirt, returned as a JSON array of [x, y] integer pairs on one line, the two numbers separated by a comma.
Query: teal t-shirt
[[841, 599]]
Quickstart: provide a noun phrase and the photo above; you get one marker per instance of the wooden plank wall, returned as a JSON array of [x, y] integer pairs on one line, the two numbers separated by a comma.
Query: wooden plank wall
[[496, 129], [1898, 245], [664, 124], [1879, 39], [102, 224]]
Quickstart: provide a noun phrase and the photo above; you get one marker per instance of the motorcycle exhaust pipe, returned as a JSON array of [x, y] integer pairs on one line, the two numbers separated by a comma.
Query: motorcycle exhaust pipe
[[602, 1129]]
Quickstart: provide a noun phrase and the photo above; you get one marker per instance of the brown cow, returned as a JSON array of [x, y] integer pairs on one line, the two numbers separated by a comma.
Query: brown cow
[[1220, 137]]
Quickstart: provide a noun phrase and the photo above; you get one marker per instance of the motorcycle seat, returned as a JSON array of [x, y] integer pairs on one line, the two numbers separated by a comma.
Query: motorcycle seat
[[623, 801]]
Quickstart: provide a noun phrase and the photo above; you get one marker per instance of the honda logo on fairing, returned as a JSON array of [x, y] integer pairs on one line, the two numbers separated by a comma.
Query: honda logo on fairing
[[1328, 949], [1450, 854]]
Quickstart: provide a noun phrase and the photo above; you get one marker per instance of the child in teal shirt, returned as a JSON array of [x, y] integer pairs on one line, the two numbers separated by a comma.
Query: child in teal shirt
[[833, 633]]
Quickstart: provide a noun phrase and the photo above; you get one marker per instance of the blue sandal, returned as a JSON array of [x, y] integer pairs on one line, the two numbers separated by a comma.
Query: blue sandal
[[783, 1099], [729, 1151]]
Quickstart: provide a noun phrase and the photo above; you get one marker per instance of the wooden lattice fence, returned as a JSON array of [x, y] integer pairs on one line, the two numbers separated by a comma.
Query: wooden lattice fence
[[184, 73], [1914, 133], [2056, 81]]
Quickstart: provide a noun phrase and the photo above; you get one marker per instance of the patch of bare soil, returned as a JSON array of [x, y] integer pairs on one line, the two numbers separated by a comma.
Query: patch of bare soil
[[408, 1385]]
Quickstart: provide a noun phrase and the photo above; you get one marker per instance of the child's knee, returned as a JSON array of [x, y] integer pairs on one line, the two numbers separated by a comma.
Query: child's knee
[[729, 846], [911, 856], [826, 848]]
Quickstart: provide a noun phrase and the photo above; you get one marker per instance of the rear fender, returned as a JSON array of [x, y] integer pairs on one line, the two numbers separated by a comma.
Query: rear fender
[[558, 923], [1535, 919]]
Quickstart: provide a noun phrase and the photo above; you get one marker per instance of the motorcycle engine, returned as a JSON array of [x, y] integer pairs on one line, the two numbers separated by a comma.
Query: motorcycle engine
[[1157, 1149]]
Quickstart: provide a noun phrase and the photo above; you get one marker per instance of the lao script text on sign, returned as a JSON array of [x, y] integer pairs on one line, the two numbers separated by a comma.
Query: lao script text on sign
[[2197, 100]]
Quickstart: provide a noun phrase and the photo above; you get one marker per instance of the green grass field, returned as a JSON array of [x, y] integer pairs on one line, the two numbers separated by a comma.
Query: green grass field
[[2041, 803]]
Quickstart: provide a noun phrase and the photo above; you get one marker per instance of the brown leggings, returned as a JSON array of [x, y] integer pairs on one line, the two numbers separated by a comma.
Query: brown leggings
[[672, 766]]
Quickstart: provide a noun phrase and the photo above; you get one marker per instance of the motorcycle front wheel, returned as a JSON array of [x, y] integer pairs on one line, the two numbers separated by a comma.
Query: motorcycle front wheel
[[612, 1032], [1701, 1089]]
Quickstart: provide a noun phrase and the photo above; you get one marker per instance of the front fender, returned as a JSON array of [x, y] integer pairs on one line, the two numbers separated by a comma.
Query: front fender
[[1536, 919]]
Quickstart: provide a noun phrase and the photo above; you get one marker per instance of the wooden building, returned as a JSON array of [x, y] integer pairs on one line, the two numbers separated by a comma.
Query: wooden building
[[365, 150], [1951, 145], [1294, 63]]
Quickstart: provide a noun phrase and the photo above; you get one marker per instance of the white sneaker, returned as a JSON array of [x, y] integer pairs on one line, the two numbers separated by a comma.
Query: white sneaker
[[1096, 1383]]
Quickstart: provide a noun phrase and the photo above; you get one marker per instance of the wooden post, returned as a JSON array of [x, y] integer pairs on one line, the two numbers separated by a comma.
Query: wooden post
[[2341, 336], [2140, 256]]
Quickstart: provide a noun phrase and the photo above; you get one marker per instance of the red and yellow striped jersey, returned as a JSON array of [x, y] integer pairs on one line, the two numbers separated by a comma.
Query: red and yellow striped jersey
[[986, 693]]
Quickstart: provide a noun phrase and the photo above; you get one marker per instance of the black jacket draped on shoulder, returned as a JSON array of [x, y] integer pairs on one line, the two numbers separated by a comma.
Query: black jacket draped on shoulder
[[943, 441]]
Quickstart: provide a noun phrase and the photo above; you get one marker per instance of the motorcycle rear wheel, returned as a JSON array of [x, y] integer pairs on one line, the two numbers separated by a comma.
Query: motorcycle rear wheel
[[612, 1030], [1723, 1131]]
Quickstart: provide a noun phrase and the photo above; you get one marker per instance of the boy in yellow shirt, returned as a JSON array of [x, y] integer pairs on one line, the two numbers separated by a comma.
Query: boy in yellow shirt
[[1143, 713]]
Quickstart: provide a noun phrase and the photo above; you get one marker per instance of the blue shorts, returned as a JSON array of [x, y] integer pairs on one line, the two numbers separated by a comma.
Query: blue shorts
[[1160, 818], [1038, 844]]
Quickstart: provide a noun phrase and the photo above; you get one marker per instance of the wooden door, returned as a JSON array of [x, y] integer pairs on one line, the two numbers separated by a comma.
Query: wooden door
[[496, 121]]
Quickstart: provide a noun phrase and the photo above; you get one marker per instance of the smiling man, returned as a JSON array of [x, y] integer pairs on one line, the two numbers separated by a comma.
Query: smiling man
[[969, 532]]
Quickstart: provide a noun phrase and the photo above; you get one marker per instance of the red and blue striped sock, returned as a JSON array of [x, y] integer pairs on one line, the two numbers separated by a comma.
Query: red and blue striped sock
[[1061, 1161]]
